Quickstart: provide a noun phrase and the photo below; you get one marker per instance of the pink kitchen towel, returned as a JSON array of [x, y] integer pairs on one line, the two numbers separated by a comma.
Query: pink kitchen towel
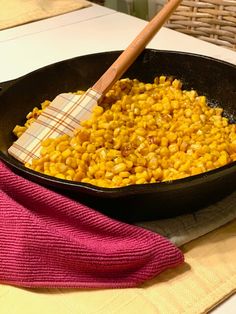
[[49, 240]]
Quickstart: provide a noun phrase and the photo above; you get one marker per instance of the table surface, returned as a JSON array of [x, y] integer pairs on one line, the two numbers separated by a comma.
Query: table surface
[[94, 29]]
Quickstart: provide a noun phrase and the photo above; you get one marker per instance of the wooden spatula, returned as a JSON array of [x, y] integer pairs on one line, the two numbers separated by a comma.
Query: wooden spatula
[[66, 111]]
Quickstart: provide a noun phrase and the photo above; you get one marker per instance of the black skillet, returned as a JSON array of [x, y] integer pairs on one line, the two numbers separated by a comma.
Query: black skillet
[[212, 78]]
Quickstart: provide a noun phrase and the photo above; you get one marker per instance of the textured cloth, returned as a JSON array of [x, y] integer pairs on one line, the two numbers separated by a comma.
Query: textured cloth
[[207, 277], [48, 240], [185, 228], [17, 12]]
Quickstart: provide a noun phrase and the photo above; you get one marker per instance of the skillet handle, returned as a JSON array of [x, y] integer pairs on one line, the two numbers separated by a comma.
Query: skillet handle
[[5, 85]]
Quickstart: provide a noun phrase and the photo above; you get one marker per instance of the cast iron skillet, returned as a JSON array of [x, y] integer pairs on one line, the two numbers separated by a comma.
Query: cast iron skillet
[[215, 79]]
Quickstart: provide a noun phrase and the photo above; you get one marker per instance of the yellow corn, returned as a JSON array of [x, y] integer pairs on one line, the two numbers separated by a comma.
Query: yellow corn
[[140, 133]]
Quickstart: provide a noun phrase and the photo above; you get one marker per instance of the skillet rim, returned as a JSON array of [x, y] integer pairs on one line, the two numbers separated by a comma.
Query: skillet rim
[[119, 191]]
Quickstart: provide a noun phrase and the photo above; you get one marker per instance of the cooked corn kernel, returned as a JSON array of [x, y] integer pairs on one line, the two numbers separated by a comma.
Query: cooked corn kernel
[[140, 133]]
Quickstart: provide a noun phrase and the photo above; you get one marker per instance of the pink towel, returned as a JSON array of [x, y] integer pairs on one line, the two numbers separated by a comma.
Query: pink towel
[[49, 240]]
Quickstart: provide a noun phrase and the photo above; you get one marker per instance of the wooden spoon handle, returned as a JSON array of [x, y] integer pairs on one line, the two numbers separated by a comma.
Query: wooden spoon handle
[[128, 56]]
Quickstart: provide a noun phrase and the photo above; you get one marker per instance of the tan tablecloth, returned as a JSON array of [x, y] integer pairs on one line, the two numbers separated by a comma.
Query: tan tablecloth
[[17, 12]]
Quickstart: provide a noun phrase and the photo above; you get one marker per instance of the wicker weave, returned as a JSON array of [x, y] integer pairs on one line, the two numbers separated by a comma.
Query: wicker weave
[[212, 20]]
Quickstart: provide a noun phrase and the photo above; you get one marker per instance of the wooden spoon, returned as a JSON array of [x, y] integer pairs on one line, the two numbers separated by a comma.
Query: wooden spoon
[[66, 111]]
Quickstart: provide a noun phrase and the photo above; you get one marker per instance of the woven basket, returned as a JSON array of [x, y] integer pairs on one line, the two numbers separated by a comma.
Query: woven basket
[[212, 20]]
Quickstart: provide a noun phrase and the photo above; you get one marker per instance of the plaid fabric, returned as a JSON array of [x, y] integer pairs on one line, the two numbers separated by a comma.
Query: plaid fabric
[[62, 116]]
